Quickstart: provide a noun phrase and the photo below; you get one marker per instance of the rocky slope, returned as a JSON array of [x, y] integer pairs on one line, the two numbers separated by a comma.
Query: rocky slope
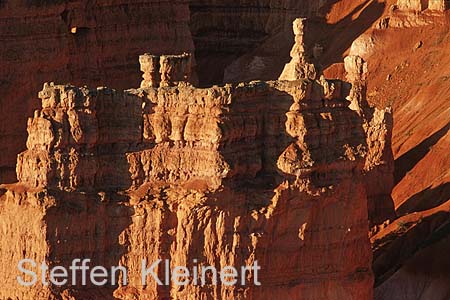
[[407, 52]]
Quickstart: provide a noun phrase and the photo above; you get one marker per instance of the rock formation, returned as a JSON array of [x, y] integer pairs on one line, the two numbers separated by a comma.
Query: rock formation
[[165, 70], [378, 125], [224, 30], [439, 5], [408, 260], [264, 171], [128, 197], [414, 5], [97, 44], [377, 122], [300, 67], [421, 5], [81, 42]]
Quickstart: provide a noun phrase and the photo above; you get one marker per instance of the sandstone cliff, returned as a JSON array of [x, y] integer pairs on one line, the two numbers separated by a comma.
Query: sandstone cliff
[[82, 42], [404, 42], [272, 172]]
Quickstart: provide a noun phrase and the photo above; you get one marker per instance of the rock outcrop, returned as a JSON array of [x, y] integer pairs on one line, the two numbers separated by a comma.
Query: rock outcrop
[[378, 123], [421, 5], [165, 70], [300, 67], [265, 171], [413, 5], [408, 260], [78, 42]]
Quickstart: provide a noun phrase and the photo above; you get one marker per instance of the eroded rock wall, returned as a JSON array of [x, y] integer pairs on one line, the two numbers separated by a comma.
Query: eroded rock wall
[[269, 172], [54, 227], [225, 175], [81, 42]]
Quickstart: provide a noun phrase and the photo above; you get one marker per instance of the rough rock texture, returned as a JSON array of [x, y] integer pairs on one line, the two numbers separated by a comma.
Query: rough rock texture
[[439, 5], [378, 123], [420, 5], [165, 70], [56, 227], [264, 171], [409, 65], [79, 138], [225, 30], [301, 54], [407, 70], [82, 42], [414, 5]]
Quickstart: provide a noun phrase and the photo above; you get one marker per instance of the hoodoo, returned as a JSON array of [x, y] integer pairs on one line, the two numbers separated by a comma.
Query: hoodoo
[[163, 172]]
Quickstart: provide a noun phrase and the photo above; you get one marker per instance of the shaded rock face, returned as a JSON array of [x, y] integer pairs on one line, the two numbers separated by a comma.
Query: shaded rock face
[[224, 30], [408, 263], [267, 172], [78, 42], [423, 276], [378, 124]]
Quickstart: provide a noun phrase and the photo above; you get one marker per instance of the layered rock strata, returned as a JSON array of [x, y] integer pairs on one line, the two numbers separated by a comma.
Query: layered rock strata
[[165, 70], [82, 42], [187, 200], [301, 54], [272, 172], [377, 124]]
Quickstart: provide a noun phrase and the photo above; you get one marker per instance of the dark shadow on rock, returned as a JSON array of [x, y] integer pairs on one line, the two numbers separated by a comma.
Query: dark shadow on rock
[[254, 159], [407, 161], [347, 30], [398, 247], [424, 276], [426, 199], [87, 226], [264, 52]]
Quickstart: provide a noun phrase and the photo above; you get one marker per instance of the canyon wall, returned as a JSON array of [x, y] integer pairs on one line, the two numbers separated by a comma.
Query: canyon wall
[[75, 41], [81, 42], [97, 43], [272, 172]]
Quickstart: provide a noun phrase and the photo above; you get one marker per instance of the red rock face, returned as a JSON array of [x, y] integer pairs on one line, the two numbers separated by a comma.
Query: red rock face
[[262, 172], [217, 172], [80, 43], [416, 47]]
